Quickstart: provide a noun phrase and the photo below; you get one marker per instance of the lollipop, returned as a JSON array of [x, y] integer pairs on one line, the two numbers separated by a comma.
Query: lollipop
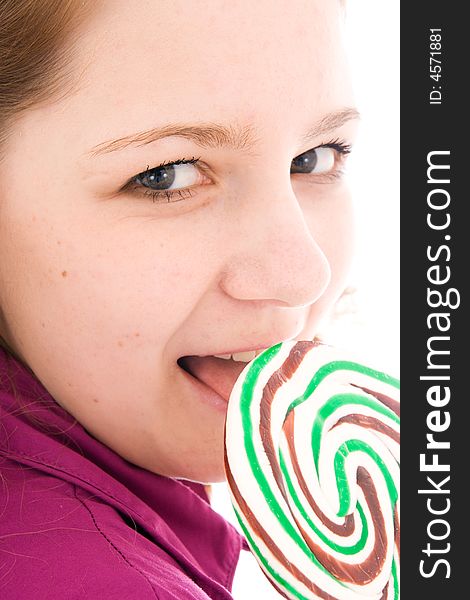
[[311, 457]]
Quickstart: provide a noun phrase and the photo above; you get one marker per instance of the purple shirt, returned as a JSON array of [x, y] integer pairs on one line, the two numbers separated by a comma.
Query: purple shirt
[[78, 521]]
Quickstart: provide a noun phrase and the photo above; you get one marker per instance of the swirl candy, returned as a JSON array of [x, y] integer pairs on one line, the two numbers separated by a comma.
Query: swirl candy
[[311, 457]]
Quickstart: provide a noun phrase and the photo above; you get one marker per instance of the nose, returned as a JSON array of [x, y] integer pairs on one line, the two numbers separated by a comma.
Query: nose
[[276, 257]]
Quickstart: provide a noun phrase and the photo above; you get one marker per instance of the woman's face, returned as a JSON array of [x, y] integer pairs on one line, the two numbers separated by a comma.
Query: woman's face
[[104, 287]]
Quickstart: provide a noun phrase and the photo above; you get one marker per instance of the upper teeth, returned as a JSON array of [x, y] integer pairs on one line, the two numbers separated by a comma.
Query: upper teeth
[[239, 356]]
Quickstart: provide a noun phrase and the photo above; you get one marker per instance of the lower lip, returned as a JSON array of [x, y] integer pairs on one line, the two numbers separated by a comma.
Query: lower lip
[[204, 393]]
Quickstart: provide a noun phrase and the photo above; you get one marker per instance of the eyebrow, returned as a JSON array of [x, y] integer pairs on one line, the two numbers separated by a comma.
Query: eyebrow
[[213, 135]]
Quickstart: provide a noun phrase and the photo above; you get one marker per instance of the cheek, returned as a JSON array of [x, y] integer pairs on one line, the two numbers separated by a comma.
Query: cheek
[[331, 222], [96, 281], [133, 280], [339, 245]]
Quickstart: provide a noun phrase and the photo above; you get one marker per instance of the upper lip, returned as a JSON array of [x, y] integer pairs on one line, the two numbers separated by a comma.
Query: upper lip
[[235, 351], [258, 347]]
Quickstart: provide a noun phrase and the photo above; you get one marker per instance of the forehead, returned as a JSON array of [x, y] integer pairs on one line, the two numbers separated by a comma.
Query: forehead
[[177, 56], [276, 68]]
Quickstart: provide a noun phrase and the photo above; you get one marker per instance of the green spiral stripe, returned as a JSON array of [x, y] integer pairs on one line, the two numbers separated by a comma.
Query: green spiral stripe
[[251, 378], [274, 574], [336, 402], [342, 365], [396, 583], [340, 471], [245, 403], [284, 583], [248, 386], [347, 550]]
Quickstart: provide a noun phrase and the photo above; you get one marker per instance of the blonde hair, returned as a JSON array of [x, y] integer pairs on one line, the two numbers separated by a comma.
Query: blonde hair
[[36, 48], [35, 53]]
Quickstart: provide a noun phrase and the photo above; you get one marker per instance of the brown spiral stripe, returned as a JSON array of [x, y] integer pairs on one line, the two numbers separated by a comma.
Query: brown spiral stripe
[[311, 457]]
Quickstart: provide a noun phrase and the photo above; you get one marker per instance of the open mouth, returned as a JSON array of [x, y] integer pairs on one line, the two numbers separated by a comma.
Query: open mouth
[[217, 373]]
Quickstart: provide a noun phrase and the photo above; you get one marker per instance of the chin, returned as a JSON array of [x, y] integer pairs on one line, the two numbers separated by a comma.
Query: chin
[[205, 474]]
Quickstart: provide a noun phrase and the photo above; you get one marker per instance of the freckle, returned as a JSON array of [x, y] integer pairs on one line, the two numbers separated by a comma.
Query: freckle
[[59, 242], [120, 343], [64, 273], [95, 400], [43, 324], [137, 334]]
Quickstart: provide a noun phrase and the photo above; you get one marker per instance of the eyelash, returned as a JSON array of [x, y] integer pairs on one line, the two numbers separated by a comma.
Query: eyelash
[[341, 147]]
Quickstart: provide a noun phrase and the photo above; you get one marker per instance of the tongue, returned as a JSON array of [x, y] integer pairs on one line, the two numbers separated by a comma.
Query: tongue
[[216, 373]]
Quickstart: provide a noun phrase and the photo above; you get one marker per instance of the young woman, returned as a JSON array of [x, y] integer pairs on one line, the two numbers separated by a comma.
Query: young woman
[[171, 195]]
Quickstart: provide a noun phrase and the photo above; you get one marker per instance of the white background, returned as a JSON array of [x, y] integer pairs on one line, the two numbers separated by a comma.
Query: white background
[[372, 32]]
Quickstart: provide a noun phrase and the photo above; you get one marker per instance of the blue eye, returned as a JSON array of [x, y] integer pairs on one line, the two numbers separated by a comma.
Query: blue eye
[[322, 159], [315, 160], [168, 180], [176, 180], [171, 176]]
